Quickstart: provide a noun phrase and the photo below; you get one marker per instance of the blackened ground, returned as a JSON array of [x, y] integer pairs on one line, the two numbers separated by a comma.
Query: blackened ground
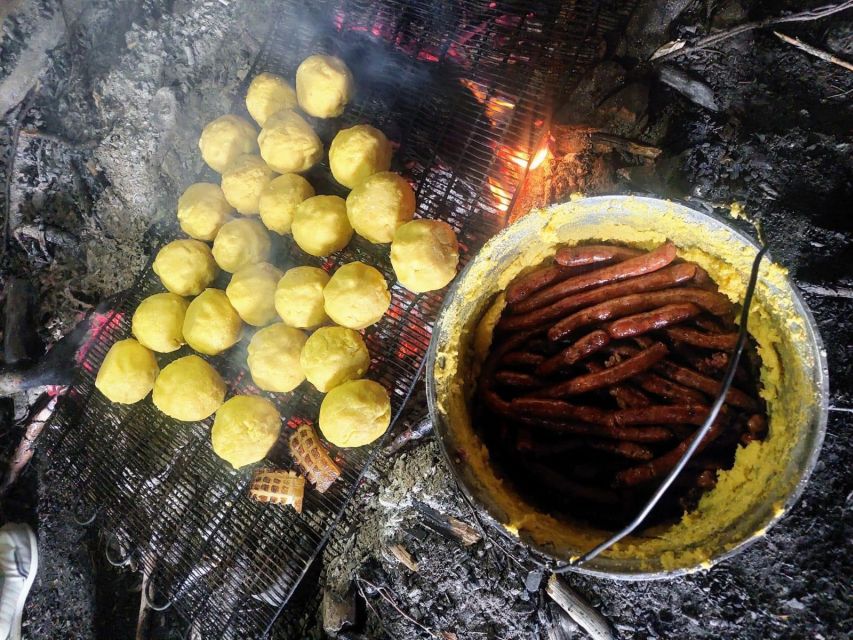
[[125, 87]]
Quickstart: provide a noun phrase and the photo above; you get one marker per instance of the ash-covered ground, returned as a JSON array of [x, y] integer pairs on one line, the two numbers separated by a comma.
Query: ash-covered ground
[[103, 101]]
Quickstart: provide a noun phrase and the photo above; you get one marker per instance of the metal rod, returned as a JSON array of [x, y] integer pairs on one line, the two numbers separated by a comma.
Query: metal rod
[[697, 439]]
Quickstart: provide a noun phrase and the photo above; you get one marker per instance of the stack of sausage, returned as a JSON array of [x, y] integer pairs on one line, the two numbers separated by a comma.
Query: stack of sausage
[[602, 367]]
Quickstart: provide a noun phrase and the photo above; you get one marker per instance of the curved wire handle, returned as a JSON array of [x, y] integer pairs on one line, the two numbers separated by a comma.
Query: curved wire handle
[[697, 439]]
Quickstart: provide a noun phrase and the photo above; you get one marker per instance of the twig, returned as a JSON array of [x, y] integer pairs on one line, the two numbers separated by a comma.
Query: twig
[[403, 557], [635, 148], [817, 53], [595, 624], [42, 410], [381, 591], [672, 49]]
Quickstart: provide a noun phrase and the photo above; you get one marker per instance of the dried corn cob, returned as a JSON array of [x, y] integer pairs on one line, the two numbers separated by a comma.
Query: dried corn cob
[[308, 452], [278, 487]]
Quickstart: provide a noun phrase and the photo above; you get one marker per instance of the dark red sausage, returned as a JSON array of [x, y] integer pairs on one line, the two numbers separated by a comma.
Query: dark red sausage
[[637, 303], [720, 341], [669, 390], [644, 360], [662, 414], [576, 352], [666, 277], [734, 397], [630, 268], [660, 318], [532, 282], [593, 253]]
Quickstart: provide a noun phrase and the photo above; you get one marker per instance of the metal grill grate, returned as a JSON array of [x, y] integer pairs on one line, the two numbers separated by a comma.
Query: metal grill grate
[[458, 86]]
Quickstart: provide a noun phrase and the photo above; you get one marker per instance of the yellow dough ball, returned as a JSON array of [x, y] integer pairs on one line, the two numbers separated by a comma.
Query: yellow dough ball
[[189, 389], [185, 267], [332, 356], [158, 322], [127, 373], [279, 200], [243, 181], [379, 205], [424, 254], [225, 138], [355, 413], [245, 429], [324, 86], [267, 94], [252, 293], [211, 324], [320, 225], [202, 210], [299, 297], [357, 153], [240, 243], [274, 358], [357, 296], [288, 143]]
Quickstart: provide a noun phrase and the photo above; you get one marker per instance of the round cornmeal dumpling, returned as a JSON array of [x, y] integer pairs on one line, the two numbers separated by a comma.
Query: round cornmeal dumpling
[[185, 267], [158, 322], [324, 86], [189, 389], [332, 356], [424, 254], [288, 144], [211, 324], [127, 373], [244, 180], [357, 296], [202, 210], [245, 429], [379, 205], [279, 200], [274, 358], [252, 293], [225, 138], [299, 297], [320, 225], [355, 413], [240, 243], [267, 94], [357, 153]]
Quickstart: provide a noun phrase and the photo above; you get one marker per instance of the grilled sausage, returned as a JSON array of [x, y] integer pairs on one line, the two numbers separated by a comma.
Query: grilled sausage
[[652, 320], [576, 352], [593, 253]]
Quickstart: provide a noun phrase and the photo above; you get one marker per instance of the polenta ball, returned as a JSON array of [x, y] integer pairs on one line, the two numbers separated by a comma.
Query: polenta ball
[[252, 293], [158, 322], [279, 200], [379, 205], [357, 296], [211, 324], [245, 429], [225, 138], [332, 356], [240, 243], [357, 153], [267, 94], [320, 225], [127, 373], [202, 210], [324, 86], [299, 297], [274, 358], [185, 267], [288, 144], [189, 389], [243, 181], [355, 413], [424, 254]]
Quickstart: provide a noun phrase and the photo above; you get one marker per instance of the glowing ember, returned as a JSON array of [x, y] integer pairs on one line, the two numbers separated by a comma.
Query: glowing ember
[[502, 196], [539, 158]]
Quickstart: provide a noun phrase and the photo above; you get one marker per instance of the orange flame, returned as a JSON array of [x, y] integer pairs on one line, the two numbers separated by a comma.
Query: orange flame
[[502, 196]]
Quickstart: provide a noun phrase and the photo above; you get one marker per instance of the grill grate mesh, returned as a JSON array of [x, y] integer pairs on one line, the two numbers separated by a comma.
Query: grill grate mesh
[[456, 85]]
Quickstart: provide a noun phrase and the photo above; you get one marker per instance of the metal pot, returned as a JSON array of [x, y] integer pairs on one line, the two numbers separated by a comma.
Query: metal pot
[[765, 481]]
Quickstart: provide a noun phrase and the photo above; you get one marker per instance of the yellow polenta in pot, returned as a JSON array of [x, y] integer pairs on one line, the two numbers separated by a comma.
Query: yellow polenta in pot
[[766, 477]]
